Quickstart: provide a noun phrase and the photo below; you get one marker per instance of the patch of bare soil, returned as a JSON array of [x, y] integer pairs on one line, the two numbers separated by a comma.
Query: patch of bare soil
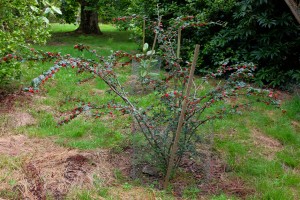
[[296, 125], [122, 161], [211, 176], [21, 119], [282, 95], [97, 92], [134, 86], [8, 101], [51, 169], [14, 145], [14, 119], [269, 146]]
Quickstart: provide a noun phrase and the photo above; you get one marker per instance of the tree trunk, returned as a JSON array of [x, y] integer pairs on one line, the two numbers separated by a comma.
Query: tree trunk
[[88, 19], [294, 7]]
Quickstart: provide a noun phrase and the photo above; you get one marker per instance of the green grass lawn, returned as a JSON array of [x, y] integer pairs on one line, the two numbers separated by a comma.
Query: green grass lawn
[[261, 146], [89, 133], [63, 40]]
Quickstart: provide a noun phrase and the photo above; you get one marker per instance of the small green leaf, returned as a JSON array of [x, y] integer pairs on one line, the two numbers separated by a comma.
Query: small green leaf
[[145, 47], [47, 10], [45, 20], [35, 9], [150, 53], [143, 73], [154, 74], [56, 9]]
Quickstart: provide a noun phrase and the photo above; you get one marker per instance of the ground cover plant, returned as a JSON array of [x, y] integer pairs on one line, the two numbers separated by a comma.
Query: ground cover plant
[[235, 151]]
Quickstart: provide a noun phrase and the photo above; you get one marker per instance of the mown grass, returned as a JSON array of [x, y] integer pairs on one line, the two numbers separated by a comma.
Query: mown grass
[[64, 39], [89, 133], [275, 178]]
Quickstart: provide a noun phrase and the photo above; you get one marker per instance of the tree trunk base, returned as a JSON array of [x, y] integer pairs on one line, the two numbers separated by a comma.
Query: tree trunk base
[[88, 21], [92, 32]]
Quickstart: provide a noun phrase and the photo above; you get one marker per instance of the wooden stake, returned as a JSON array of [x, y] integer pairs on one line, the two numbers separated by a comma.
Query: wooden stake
[[144, 32], [178, 53], [155, 37], [181, 119], [178, 42], [154, 42]]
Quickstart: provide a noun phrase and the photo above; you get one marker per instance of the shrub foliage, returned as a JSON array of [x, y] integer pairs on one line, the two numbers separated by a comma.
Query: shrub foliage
[[158, 121], [21, 23], [263, 32]]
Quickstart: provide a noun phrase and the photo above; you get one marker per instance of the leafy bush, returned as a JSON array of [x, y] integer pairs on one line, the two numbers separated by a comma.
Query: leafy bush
[[262, 32], [158, 120], [21, 22]]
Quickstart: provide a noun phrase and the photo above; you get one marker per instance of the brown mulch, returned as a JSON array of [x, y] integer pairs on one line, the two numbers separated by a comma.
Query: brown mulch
[[212, 176], [11, 116], [8, 100], [52, 169], [296, 125], [220, 181], [122, 161], [269, 146], [49, 168]]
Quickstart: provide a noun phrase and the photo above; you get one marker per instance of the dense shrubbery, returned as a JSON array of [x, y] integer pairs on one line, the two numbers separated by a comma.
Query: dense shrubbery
[[263, 32], [21, 23]]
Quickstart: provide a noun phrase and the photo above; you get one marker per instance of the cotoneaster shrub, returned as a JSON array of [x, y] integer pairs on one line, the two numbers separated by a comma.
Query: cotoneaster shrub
[[158, 120]]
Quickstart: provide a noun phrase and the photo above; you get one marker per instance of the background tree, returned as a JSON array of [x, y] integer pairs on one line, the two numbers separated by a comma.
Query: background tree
[[89, 17], [90, 13]]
